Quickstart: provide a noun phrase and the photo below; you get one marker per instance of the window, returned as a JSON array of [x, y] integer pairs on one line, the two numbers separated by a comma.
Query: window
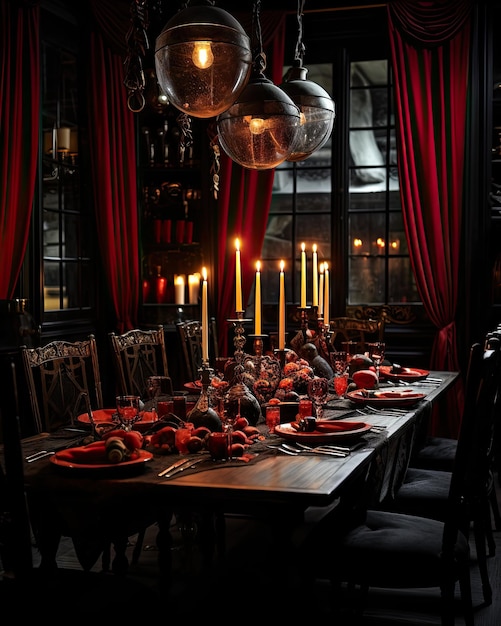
[[359, 233], [379, 270], [62, 216]]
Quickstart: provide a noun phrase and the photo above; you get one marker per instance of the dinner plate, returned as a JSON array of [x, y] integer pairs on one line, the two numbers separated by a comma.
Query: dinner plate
[[105, 417], [286, 431], [386, 397], [194, 387], [409, 374], [124, 467]]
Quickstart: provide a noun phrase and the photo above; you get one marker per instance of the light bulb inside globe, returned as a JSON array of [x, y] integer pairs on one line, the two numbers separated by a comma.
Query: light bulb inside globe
[[202, 55], [257, 125]]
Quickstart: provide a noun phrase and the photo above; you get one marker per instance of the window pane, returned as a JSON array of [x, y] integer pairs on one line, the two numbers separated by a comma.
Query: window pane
[[401, 281], [367, 282]]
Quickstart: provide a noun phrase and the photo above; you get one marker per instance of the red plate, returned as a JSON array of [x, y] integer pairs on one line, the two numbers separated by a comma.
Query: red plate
[[194, 387], [388, 397], [409, 374], [126, 466], [286, 431], [105, 417]]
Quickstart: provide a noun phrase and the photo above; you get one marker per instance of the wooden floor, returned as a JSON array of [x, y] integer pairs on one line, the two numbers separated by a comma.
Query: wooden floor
[[248, 584]]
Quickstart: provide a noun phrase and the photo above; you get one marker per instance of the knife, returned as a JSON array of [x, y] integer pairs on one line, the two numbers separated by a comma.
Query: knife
[[174, 466], [181, 468]]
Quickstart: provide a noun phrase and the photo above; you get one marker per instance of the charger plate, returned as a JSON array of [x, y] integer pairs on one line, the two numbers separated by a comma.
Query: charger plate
[[110, 468], [105, 417], [387, 397], [408, 374], [286, 431]]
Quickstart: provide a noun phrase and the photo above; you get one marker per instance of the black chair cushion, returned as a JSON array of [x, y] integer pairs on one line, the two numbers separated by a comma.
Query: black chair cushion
[[424, 492], [395, 550], [438, 453]]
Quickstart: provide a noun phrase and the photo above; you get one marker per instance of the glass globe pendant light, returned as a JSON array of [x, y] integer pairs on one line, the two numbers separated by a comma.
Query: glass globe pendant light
[[260, 129], [315, 104], [203, 60]]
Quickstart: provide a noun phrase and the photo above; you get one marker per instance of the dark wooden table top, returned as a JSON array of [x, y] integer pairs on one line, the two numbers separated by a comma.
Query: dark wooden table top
[[271, 479]]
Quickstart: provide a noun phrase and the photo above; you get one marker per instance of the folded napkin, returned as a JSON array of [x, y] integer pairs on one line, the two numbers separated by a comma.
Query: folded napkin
[[397, 394], [334, 427], [91, 454]]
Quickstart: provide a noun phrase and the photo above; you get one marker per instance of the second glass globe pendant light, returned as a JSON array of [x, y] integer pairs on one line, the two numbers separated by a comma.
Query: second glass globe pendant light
[[315, 104], [260, 129]]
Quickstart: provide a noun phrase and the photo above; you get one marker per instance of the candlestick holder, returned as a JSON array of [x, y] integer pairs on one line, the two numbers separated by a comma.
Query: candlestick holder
[[304, 317], [280, 354], [239, 339], [258, 344]]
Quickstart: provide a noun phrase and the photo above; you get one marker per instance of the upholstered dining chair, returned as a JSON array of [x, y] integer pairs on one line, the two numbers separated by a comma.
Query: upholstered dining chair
[[63, 381], [425, 491], [137, 355], [393, 550]]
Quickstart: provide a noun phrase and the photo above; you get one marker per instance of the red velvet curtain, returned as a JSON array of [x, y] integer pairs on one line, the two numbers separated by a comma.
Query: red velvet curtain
[[430, 44], [244, 201], [113, 158], [19, 132]]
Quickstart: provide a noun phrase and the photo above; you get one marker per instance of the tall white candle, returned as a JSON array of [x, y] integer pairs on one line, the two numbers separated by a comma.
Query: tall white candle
[[179, 289], [326, 295], [303, 276], [257, 301], [238, 278], [205, 318], [314, 298], [281, 309], [321, 292]]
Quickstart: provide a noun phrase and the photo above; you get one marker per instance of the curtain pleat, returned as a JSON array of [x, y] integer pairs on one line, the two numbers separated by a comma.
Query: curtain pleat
[[113, 159], [19, 132], [431, 86]]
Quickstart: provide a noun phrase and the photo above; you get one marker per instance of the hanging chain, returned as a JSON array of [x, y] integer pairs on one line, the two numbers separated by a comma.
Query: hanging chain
[[186, 139], [299, 53], [137, 45], [259, 56], [216, 153]]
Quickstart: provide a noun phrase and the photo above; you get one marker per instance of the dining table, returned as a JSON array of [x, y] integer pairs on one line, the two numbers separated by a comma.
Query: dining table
[[289, 491]]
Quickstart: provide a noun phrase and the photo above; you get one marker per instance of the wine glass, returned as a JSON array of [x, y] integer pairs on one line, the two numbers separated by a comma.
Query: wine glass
[[127, 411], [339, 362], [376, 353], [318, 390]]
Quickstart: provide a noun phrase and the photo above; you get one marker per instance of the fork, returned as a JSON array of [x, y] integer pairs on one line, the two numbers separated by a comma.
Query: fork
[[295, 450]]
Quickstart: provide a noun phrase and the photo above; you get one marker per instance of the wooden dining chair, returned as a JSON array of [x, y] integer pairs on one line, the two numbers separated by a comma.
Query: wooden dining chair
[[362, 331], [29, 590], [63, 381], [393, 550], [190, 334], [137, 355]]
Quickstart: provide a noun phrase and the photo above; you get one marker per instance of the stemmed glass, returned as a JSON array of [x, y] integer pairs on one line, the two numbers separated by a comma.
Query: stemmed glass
[[339, 362], [376, 353], [318, 390], [127, 411]]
